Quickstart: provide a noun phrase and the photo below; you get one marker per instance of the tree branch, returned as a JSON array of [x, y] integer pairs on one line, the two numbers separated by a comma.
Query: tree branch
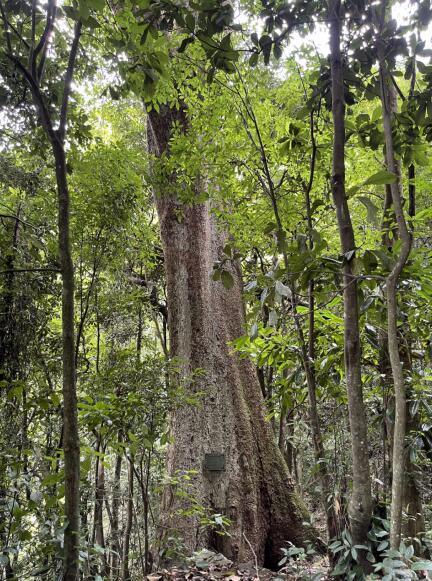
[[6, 26], [41, 46], [12, 217], [22, 270], [68, 81], [37, 96]]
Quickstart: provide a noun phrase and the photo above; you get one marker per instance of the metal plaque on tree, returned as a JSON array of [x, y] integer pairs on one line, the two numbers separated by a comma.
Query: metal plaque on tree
[[214, 462]]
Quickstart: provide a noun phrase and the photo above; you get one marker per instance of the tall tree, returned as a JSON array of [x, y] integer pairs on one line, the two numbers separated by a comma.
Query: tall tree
[[360, 506], [31, 67], [225, 439], [398, 464]]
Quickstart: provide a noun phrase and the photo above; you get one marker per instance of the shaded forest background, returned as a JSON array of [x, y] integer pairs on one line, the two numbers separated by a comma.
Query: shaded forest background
[[215, 286]]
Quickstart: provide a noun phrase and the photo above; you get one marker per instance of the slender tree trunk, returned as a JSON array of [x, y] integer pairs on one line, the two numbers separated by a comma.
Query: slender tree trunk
[[307, 355], [412, 502], [333, 518], [70, 417], [9, 372], [386, 382], [71, 445], [129, 521], [398, 465], [99, 533], [115, 533], [143, 477], [360, 506], [225, 438], [412, 505]]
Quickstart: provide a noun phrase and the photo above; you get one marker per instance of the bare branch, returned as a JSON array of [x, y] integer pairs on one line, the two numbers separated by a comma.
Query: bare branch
[[12, 217]]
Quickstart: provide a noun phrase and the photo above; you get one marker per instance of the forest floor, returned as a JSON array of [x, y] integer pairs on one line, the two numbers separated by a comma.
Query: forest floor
[[214, 566]]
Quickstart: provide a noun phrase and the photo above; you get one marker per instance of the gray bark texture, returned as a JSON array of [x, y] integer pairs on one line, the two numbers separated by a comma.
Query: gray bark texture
[[360, 505], [254, 489], [400, 425]]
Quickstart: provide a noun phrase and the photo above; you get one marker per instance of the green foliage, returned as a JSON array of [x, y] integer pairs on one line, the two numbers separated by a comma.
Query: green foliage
[[388, 564], [257, 117]]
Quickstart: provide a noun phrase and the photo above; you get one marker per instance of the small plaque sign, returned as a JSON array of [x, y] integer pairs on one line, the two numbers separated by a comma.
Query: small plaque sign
[[214, 462]]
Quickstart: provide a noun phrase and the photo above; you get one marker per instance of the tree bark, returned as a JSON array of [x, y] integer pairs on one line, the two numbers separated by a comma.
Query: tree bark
[[254, 489], [10, 353], [398, 464], [360, 506], [71, 444], [333, 516], [115, 533], [412, 506], [99, 533], [129, 520]]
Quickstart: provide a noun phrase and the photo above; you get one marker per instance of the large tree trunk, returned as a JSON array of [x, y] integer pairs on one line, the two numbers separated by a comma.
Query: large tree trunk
[[253, 488]]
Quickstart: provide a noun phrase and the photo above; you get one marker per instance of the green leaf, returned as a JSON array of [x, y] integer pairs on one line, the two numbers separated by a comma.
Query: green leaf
[[372, 210], [91, 22], [282, 289], [422, 566], [52, 479], [227, 279], [272, 320], [409, 553], [380, 178], [190, 22], [340, 569], [97, 5], [71, 12], [253, 61], [84, 9]]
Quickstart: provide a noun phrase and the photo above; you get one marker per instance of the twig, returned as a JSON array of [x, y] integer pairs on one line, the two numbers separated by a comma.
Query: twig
[[21, 270], [13, 217], [254, 554]]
